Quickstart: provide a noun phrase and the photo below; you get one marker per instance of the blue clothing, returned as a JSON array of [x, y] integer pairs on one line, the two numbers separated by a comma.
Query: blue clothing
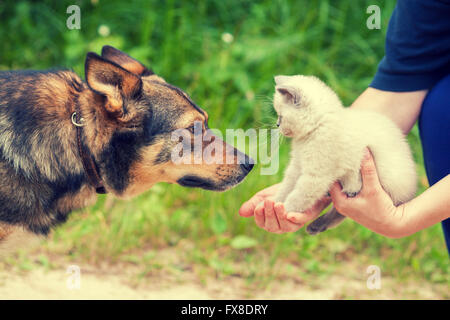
[[417, 49], [434, 126], [417, 57]]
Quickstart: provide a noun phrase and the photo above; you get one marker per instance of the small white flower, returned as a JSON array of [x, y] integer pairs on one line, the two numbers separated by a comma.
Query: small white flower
[[104, 30], [227, 37]]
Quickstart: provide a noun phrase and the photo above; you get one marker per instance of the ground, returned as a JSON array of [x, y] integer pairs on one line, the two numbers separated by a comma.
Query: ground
[[123, 282]]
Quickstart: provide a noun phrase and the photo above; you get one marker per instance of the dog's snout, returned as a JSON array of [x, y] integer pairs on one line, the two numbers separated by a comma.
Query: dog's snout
[[247, 166]]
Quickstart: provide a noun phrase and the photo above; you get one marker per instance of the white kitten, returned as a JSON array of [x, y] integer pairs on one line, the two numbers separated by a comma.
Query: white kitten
[[328, 143]]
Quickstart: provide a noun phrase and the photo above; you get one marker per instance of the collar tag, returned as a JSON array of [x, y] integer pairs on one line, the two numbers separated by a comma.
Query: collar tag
[[80, 122]]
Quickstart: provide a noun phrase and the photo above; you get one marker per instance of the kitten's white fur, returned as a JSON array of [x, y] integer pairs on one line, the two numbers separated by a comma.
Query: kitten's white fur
[[328, 143]]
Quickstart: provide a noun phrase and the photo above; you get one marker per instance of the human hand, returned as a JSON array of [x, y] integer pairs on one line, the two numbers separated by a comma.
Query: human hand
[[372, 207], [273, 217], [248, 208]]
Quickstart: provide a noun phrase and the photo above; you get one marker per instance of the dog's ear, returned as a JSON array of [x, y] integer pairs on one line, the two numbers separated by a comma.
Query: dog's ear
[[125, 61], [112, 81]]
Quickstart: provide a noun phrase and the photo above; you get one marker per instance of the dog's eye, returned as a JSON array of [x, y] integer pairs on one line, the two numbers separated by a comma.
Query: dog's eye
[[196, 129], [191, 129]]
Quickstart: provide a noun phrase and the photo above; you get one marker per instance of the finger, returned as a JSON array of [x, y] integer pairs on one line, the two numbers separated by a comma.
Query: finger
[[369, 174], [260, 206], [291, 224], [247, 209], [302, 217], [336, 193], [310, 214], [271, 223], [285, 225], [344, 204], [340, 200], [280, 214], [259, 217]]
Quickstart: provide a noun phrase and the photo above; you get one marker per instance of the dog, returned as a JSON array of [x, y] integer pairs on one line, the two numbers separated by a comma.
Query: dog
[[64, 140]]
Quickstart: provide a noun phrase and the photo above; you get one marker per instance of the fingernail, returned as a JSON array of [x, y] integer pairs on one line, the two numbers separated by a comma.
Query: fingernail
[[366, 154]]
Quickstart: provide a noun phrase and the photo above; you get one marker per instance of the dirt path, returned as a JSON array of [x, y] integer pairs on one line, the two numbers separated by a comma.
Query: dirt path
[[53, 284]]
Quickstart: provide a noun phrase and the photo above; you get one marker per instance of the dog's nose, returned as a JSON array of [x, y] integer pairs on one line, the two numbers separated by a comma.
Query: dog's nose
[[248, 165]]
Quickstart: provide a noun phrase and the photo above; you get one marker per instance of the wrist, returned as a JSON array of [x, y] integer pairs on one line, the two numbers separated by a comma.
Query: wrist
[[398, 223]]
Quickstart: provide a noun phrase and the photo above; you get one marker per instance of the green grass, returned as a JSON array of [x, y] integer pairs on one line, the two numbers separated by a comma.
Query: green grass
[[234, 83]]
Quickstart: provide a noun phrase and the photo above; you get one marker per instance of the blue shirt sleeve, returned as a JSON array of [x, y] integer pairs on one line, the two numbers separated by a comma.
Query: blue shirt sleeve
[[417, 50]]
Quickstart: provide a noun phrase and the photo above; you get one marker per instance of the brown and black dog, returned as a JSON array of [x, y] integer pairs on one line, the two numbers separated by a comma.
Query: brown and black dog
[[63, 140]]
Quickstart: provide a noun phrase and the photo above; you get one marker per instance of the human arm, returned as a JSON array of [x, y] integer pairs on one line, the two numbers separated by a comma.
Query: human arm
[[401, 107]]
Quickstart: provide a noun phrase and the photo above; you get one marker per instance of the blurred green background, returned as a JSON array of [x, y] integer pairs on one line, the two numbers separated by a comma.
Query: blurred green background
[[224, 54]]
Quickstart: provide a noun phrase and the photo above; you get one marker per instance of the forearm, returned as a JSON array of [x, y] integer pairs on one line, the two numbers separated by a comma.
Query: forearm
[[402, 107], [429, 208]]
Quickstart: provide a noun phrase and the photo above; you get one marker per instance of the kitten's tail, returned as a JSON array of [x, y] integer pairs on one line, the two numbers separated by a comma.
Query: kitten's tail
[[326, 221]]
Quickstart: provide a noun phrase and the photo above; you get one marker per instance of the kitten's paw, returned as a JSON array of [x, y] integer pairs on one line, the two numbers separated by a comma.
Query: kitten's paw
[[291, 205], [279, 198]]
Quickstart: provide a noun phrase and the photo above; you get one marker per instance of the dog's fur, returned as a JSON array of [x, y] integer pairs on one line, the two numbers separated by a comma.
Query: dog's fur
[[328, 143], [129, 114]]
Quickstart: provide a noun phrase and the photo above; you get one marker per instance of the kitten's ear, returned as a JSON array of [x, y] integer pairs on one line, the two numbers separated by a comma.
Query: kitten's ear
[[290, 94], [112, 81], [280, 79]]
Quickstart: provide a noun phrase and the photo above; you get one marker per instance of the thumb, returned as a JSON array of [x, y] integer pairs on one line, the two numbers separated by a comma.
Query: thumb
[[369, 174], [340, 199], [247, 208]]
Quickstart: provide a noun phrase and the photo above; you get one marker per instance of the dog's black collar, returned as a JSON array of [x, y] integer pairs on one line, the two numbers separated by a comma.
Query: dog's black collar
[[89, 164]]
